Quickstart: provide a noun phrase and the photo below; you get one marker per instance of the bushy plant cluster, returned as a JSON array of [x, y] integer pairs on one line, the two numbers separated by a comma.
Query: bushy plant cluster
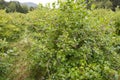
[[65, 43]]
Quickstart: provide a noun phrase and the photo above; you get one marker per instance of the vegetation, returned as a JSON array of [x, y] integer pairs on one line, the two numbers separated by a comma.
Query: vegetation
[[66, 43], [14, 6], [107, 4]]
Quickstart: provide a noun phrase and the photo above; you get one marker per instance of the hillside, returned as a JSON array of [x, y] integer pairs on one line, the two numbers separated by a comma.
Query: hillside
[[30, 4]]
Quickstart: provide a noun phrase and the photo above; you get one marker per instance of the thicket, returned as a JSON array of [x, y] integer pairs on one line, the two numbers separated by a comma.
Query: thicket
[[65, 43]]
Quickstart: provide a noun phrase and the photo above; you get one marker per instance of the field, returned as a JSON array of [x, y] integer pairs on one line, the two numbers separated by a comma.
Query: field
[[65, 43]]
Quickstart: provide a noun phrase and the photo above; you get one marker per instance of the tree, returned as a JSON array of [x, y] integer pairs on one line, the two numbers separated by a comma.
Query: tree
[[11, 7], [14, 6], [115, 3], [31, 8], [24, 9], [2, 4]]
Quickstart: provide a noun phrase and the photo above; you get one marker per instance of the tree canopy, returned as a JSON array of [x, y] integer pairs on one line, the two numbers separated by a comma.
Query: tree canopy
[[14, 6]]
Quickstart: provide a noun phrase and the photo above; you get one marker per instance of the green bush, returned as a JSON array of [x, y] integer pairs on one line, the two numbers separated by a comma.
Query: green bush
[[10, 29], [75, 43]]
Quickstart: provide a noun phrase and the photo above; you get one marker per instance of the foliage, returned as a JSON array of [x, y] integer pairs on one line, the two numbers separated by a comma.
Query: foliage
[[107, 4], [65, 43], [14, 6], [2, 4], [115, 3]]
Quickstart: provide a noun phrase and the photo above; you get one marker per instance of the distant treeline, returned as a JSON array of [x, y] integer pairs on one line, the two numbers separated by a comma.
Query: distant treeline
[[15, 6], [107, 4]]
